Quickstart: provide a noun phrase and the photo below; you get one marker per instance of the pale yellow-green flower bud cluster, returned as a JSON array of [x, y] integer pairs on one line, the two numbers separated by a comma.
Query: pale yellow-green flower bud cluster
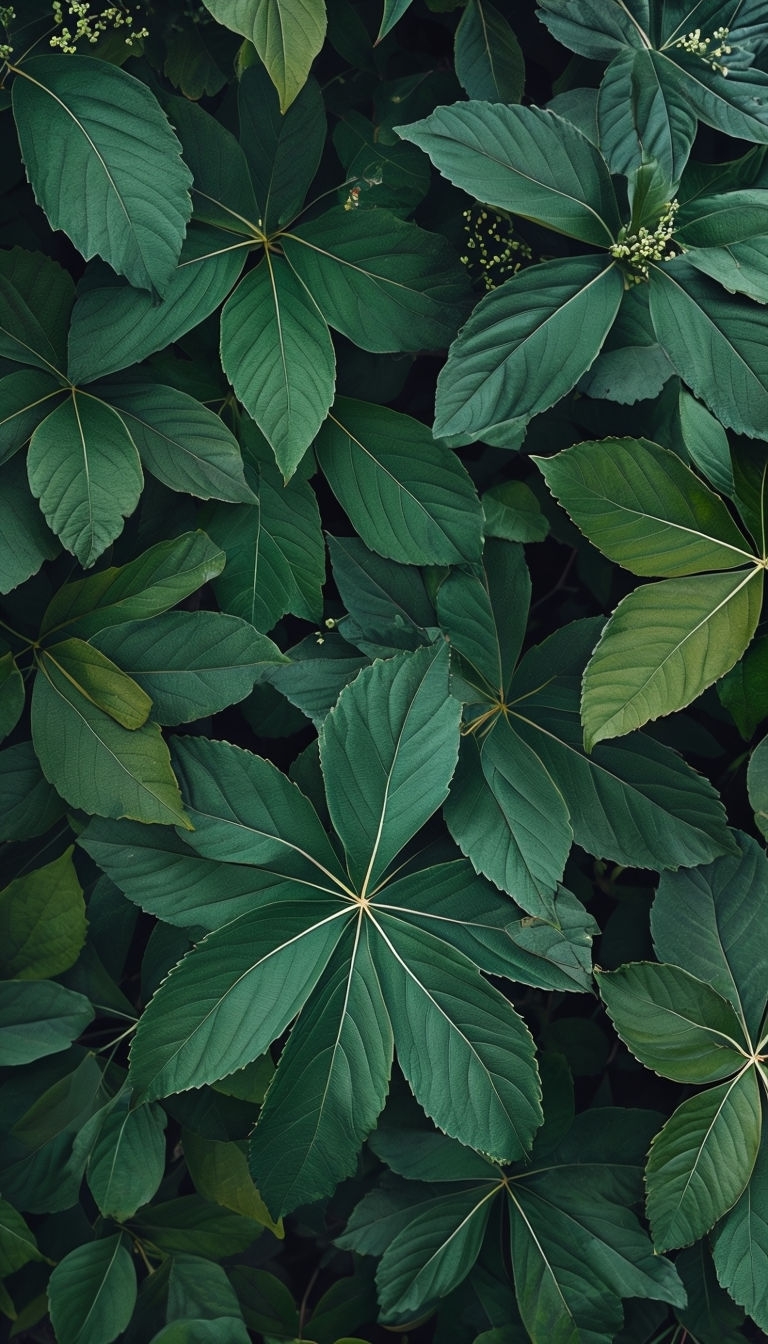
[[7, 15], [638, 250], [697, 45], [494, 252], [77, 22]]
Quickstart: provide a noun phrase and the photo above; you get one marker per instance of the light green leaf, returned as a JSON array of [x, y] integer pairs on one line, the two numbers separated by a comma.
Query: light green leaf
[[201, 1023], [708, 920], [95, 763], [147, 586], [17, 1242], [100, 681], [526, 160], [643, 508], [664, 644], [220, 1172], [283, 152], [180, 441], [42, 921], [110, 132], [12, 694], [757, 784], [441, 1008], [38, 1018], [526, 344], [190, 663], [85, 471], [407, 497], [127, 1161], [26, 397], [115, 325], [246, 811], [740, 1243], [287, 35], [701, 1161], [331, 1083], [672, 1022], [715, 341], [277, 353], [508, 816], [635, 801], [388, 750], [434, 1252], [642, 115], [487, 56], [385, 284], [92, 1291]]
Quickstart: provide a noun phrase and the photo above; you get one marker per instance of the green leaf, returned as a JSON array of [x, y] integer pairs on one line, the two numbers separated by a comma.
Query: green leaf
[[110, 132], [330, 1085], [740, 1244], [701, 1161], [12, 694], [642, 115], [127, 1161], [246, 811], [643, 508], [44, 292], [388, 750], [635, 801], [38, 1018], [407, 497], [526, 344], [42, 921], [190, 663], [484, 613], [277, 353], [114, 325], [180, 441], [508, 816], [99, 681], [706, 442], [595, 30], [201, 1287], [387, 602], [161, 874], [744, 690], [734, 105], [85, 471], [672, 1022], [26, 397], [92, 1291], [708, 920], [200, 1025], [739, 267], [222, 193], [147, 586], [440, 1007], [25, 539], [489, 62], [526, 160], [29, 806], [715, 342], [17, 1242], [287, 35], [663, 645], [434, 1252], [383, 283], [757, 785], [513, 513], [22, 337], [220, 1172], [393, 12], [193, 1225], [283, 152], [95, 763]]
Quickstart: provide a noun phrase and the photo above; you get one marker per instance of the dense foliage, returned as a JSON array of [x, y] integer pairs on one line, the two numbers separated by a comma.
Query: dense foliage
[[383, 464]]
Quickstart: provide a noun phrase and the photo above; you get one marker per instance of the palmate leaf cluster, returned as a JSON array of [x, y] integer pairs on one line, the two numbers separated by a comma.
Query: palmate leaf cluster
[[383, 671]]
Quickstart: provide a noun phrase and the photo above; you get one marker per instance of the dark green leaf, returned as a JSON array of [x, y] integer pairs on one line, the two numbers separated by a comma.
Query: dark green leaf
[[26, 397], [12, 694], [487, 55], [92, 1292], [283, 152], [38, 1018], [25, 538], [757, 785], [740, 1244], [434, 1252], [595, 30], [127, 1161], [643, 115], [111, 133], [42, 921]]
